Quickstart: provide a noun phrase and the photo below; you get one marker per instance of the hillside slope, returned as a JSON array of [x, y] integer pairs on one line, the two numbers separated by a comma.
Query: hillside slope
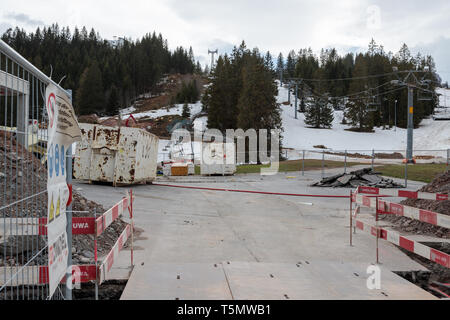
[[432, 135]]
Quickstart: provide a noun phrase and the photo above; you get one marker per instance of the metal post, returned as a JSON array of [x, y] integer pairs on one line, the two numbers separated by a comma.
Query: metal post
[[212, 52], [289, 94], [22, 117], [409, 150], [406, 174], [378, 230], [351, 218], [132, 228], [389, 114], [323, 163], [95, 255], [345, 162], [303, 164], [296, 98], [68, 295], [373, 157], [395, 116], [448, 157]]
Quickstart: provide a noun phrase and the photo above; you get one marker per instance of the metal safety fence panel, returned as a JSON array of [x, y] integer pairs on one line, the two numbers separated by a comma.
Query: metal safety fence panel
[[23, 179]]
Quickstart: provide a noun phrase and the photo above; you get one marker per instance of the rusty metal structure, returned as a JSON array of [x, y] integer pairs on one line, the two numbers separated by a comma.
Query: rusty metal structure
[[118, 155]]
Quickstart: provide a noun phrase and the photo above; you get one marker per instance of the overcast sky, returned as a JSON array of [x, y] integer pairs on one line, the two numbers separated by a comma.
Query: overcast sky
[[277, 26]]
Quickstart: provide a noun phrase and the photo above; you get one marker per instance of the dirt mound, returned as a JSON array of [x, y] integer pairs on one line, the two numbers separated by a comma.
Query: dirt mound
[[395, 155], [156, 126], [27, 177], [91, 118], [162, 96], [441, 184]]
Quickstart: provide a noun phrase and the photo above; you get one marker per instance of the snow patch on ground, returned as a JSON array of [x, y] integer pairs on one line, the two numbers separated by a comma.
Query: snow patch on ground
[[432, 135], [176, 110], [444, 98]]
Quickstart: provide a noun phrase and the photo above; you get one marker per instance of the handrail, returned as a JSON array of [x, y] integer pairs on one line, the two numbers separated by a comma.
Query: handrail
[[14, 55]]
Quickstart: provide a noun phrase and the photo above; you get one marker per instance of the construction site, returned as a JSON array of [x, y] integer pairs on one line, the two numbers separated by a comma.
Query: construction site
[[150, 203]]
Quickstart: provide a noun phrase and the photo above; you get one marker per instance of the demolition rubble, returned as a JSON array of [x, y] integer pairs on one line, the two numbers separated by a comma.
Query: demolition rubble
[[363, 177]]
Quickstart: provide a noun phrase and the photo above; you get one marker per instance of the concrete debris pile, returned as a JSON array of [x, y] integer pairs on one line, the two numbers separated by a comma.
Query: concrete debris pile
[[363, 177]]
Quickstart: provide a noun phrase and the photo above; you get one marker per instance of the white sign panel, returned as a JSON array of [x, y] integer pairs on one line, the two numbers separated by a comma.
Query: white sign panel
[[63, 130]]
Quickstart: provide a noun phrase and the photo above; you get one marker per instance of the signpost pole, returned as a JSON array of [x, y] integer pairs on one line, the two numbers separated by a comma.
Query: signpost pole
[[409, 150], [68, 295]]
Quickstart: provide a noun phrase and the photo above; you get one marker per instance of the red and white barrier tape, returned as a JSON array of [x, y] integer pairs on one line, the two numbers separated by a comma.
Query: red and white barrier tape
[[251, 191], [107, 263], [403, 193], [434, 255], [386, 207]]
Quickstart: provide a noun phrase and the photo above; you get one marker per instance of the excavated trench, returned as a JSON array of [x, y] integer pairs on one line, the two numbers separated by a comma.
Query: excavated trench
[[108, 290]]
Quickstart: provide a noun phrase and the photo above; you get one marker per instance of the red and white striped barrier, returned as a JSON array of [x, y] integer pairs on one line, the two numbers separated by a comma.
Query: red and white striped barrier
[[403, 193], [80, 225], [38, 275], [105, 220], [102, 223], [38, 226], [107, 263], [386, 207], [434, 255]]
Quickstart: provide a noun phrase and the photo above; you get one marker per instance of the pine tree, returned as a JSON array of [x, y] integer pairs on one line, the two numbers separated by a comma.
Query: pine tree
[[135, 67], [257, 104], [113, 101], [290, 64], [90, 97], [280, 65], [186, 111], [268, 62], [222, 105], [320, 113], [356, 110]]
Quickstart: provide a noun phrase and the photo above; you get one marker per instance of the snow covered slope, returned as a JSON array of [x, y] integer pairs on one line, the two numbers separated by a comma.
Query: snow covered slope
[[431, 134], [176, 110], [444, 98]]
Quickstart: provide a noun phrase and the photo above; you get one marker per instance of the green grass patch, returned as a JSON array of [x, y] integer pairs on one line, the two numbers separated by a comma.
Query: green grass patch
[[290, 166], [295, 165], [416, 172]]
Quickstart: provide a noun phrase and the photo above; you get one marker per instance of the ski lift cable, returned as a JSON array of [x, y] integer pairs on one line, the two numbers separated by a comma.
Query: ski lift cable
[[361, 77], [349, 95]]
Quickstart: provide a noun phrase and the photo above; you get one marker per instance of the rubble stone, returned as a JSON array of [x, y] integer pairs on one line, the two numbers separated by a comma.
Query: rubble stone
[[363, 177]]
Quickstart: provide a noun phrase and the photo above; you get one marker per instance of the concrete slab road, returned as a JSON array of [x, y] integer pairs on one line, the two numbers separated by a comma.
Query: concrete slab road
[[225, 245]]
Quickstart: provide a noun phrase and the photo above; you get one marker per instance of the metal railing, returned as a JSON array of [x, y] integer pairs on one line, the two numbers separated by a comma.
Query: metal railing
[[318, 159], [23, 179], [369, 157]]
